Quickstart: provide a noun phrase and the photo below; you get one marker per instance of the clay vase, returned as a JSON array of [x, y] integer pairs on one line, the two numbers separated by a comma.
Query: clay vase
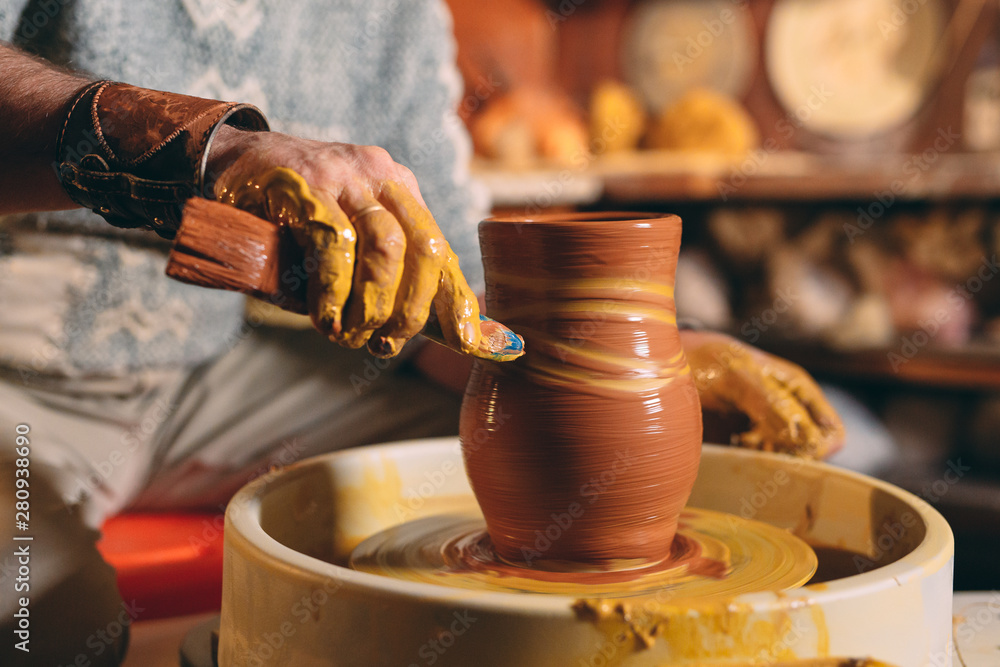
[[583, 452]]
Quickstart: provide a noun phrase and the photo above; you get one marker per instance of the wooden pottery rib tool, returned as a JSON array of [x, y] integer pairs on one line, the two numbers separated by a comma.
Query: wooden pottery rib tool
[[223, 247]]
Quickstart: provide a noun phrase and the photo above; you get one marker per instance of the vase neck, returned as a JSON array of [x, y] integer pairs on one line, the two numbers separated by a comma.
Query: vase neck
[[594, 302]]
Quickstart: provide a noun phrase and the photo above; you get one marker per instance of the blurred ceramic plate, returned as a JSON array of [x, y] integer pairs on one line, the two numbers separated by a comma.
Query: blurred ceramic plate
[[671, 46], [851, 69]]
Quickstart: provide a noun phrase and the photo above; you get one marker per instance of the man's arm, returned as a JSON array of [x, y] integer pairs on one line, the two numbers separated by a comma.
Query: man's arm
[[379, 263], [34, 101]]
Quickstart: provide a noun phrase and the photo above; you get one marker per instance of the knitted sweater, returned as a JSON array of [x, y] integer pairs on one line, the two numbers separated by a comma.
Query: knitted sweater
[[80, 297]]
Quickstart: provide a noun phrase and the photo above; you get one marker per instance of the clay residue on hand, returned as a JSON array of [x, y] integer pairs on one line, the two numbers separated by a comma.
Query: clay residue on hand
[[326, 236], [786, 408], [431, 275], [373, 278]]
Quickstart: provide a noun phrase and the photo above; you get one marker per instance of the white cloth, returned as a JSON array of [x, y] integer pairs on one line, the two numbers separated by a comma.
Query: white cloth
[[178, 440]]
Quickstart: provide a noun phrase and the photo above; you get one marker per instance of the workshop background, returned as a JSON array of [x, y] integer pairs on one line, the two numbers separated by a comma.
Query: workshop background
[[836, 166]]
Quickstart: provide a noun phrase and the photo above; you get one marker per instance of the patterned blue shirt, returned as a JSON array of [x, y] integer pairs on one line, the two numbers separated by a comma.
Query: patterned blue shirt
[[80, 297]]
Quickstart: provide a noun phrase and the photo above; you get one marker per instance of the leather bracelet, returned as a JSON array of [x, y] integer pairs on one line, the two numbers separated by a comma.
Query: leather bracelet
[[134, 155]]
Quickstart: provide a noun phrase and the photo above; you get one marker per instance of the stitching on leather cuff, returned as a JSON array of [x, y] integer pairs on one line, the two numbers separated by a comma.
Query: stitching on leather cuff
[[134, 155]]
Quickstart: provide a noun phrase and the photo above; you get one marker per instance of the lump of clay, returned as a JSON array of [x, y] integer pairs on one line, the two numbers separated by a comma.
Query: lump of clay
[[617, 118], [513, 105], [703, 120], [528, 123]]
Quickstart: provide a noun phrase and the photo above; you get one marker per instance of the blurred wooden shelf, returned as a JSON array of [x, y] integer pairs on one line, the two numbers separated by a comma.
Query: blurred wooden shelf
[[646, 177], [975, 367], [538, 187]]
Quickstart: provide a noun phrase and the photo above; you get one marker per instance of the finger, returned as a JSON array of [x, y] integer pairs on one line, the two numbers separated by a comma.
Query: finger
[[829, 427], [786, 408], [425, 257], [378, 270], [788, 425], [457, 308], [728, 378], [409, 182], [333, 244], [751, 384], [809, 393], [328, 241]]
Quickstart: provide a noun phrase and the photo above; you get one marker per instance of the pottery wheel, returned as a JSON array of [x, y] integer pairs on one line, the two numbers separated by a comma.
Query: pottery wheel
[[713, 555]]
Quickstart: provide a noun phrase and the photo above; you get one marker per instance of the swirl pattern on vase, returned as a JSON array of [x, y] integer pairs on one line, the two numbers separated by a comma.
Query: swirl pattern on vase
[[583, 453]]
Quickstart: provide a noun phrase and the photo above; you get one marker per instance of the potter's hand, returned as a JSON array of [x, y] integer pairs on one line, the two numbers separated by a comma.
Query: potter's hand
[[786, 408], [381, 260]]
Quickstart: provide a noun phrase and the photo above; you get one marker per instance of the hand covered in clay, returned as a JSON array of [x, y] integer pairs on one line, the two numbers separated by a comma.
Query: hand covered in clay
[[380, 259], [786, 408]]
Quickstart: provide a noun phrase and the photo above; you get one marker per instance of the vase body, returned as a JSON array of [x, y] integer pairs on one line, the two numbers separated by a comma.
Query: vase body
[[584, 451]]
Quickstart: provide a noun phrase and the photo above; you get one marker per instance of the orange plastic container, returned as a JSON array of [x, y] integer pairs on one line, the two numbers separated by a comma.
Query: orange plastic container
[[170, 564]]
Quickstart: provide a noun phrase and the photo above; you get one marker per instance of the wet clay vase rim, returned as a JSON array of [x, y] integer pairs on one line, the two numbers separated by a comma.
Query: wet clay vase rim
[[578, 218], [583, 452]]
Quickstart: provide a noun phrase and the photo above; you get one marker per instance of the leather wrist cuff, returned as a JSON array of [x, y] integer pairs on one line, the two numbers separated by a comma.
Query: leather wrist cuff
[[134, 155]]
